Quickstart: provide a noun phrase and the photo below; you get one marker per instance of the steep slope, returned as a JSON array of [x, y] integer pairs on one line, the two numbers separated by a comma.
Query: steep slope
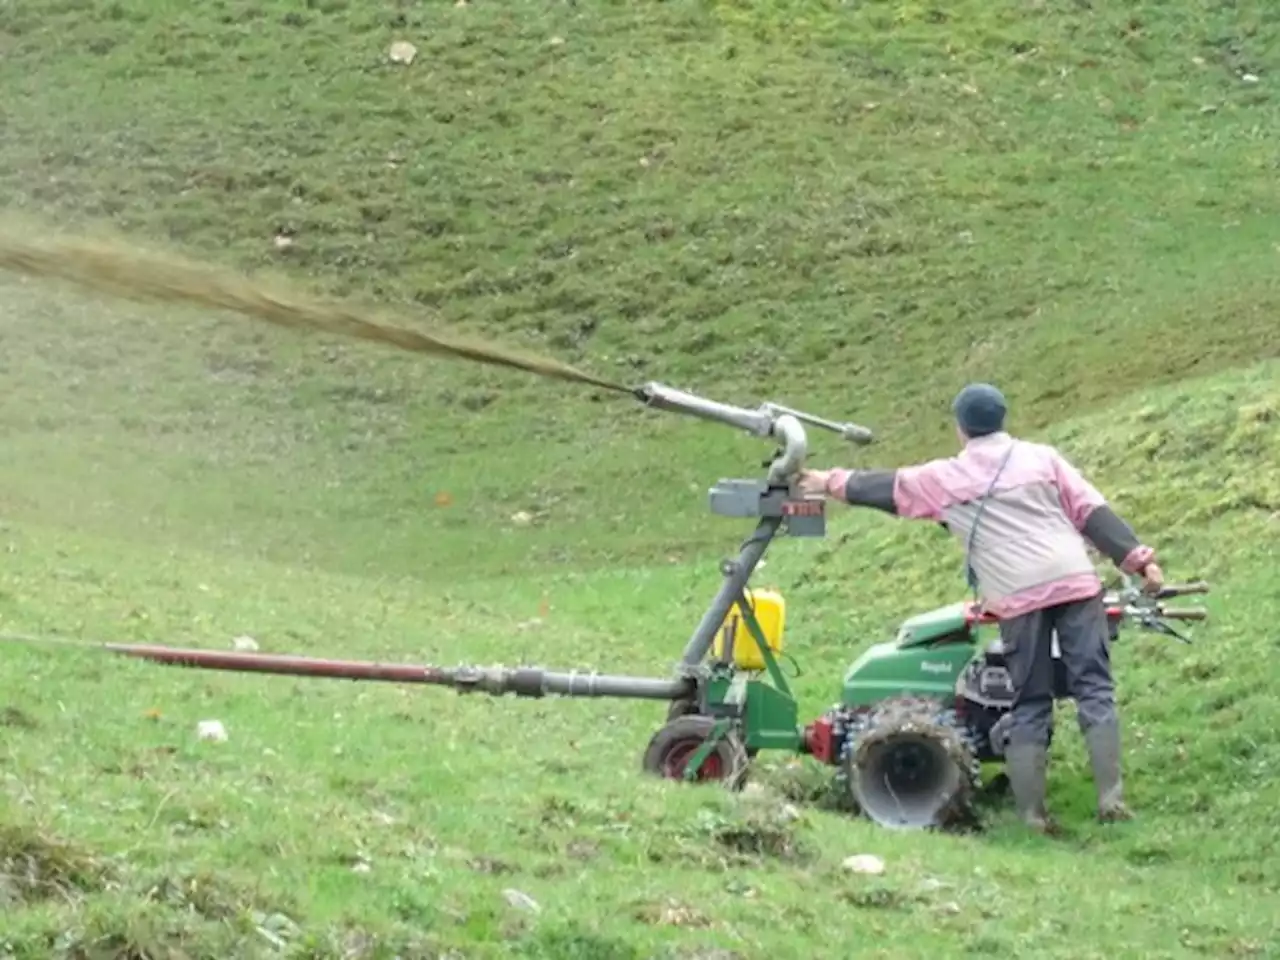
[[361, 810], [848, 208]]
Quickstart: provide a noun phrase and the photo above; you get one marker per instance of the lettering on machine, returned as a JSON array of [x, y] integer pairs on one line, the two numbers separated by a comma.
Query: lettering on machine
[[927, 667]]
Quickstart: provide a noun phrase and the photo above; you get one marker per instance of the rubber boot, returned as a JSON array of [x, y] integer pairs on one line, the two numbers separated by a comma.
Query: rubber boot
[[1103, 743], [1027, 767]]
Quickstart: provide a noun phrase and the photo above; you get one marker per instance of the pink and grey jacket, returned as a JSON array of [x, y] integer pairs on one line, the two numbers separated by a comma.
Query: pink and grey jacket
[[1029, 551]]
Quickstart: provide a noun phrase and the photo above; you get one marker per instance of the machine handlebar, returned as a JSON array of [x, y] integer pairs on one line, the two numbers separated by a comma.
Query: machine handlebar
[[1131, 605], [1182, 589], [1136, 612], [1131, 592], [1182, 613], [1149, 612]]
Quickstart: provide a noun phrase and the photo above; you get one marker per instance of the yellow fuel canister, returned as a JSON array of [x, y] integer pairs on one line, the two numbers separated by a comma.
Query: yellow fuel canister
[[770, 611]]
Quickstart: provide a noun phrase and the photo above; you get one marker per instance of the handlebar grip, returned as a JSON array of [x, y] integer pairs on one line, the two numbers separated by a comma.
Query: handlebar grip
[[1184, 614], [1183, 589]]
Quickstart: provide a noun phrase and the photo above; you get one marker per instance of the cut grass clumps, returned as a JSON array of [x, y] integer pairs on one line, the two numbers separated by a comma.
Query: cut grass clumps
[[36, 867]]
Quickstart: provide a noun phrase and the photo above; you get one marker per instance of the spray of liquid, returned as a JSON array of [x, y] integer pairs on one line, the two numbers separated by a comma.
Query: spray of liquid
[[118, 271]]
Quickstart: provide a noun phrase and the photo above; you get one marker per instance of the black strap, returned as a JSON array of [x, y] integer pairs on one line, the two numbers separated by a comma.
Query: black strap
[[970, 575]]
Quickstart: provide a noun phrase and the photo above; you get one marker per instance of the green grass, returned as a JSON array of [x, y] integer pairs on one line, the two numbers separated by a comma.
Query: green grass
[[848, 208]]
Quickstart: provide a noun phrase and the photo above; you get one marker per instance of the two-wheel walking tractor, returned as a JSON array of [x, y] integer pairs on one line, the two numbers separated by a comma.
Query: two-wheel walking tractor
[[917, 716]]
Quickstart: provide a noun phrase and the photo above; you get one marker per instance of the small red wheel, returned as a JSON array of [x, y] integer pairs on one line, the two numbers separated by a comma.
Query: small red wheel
[[673, 746]]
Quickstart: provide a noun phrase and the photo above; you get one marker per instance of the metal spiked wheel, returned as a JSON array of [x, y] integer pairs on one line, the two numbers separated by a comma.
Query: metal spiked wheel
[[911, 766]]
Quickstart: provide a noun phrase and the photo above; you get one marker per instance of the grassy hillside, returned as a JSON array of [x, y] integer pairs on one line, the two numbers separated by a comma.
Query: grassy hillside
[[851, 209]]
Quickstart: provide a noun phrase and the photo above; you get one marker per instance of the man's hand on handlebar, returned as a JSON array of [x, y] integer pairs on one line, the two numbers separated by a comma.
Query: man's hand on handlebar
[[1152, 579]]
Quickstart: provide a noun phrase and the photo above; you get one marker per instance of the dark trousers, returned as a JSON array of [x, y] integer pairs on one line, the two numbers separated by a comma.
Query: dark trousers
[[1083, 641]]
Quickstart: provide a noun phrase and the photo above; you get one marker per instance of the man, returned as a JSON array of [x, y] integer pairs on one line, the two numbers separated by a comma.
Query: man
[[1024, 515]]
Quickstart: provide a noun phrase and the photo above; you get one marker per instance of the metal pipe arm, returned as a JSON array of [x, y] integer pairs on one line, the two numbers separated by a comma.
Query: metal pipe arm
[[853, 432], [661, 397], [494, 681], [795, 447], [769, 421], [760, 422]]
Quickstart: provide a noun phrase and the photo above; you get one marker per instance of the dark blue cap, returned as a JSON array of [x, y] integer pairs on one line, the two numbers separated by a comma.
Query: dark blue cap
[[980, 409]]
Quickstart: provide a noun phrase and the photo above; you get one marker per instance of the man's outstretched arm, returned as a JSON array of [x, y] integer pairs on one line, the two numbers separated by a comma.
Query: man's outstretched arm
[[863, 488], [910, 492]]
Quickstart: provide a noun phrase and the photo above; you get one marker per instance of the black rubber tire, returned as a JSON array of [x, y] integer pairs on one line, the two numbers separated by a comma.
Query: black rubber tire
[[671, 747]]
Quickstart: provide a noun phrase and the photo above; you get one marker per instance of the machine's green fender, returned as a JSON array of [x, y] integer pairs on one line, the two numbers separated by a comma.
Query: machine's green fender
[[925, 658]]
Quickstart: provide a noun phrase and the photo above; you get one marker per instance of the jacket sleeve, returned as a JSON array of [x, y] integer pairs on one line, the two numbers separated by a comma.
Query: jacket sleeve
[[913, 493], [864, 488], [1093, 517]]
